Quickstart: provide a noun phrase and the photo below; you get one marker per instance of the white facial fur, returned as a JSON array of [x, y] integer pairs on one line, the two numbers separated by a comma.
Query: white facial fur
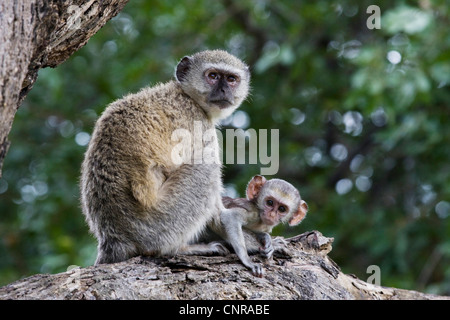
[[195, 85]]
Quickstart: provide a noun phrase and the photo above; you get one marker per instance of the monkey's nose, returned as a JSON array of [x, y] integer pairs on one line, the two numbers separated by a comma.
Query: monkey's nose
[[273, 213]]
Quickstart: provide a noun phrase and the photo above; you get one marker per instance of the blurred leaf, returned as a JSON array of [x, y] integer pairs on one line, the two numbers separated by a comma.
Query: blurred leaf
[[368, 108], [406, 19]]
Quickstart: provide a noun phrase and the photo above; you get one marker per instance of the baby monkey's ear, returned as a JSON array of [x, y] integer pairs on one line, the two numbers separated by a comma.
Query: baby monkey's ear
[[254, 187], [299, 215]]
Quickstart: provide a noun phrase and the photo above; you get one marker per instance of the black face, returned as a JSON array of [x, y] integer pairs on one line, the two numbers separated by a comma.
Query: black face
[[222, 85]]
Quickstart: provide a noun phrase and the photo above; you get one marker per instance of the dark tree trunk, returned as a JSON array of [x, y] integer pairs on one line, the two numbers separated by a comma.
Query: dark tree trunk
[[36, 34]]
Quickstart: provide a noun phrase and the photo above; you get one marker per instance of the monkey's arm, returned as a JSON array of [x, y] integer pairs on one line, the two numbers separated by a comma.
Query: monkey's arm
[[256, 237], [231, 220]]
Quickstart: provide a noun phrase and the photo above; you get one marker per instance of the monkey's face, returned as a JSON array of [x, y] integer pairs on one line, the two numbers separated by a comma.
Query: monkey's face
[[273, 211], [223, 85], [216, 80], [277, 201]]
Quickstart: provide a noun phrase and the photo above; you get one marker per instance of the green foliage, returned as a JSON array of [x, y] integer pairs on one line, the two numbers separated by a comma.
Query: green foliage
[[362, 116]]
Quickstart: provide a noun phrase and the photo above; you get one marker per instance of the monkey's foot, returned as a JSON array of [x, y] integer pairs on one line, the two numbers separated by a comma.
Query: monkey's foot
[[218, 248], [280, 246], [212, 248]]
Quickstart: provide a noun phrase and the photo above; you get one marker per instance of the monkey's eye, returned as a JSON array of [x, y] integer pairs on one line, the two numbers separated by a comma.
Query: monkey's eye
[[282, 208], [269, 202], [213, 75], [231, 78]]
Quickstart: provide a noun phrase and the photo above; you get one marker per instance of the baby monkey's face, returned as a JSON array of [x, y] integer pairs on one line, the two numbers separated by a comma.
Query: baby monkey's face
[[273, 210], [277, 201]]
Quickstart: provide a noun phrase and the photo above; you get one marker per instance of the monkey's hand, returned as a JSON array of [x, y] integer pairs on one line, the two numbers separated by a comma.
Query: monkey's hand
[[267, 248], [257, 270]]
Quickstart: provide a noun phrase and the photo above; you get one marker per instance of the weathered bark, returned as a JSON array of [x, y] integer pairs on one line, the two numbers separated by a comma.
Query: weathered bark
[[305, 273], [35, 34]]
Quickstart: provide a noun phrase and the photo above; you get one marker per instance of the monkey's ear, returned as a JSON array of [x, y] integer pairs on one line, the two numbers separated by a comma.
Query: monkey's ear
[[254, 187], [299, 215], [183, 68]]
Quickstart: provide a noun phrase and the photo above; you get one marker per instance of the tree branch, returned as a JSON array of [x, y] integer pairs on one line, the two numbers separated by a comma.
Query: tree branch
[[37, 34], [305, 273]]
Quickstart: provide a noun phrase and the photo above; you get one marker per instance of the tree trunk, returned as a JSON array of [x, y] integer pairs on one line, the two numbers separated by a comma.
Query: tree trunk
[[35, 34], [303, 272]]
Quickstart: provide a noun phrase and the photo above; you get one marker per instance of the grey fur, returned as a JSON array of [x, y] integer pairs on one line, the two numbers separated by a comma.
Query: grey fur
[[248, 214], [136, 200]]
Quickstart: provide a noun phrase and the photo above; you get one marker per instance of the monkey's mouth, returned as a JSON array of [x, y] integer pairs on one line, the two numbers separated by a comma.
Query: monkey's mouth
[[268, 222], [222, 104]]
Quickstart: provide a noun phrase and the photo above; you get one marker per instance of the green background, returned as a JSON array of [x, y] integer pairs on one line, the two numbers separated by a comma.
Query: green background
[[363, 117]]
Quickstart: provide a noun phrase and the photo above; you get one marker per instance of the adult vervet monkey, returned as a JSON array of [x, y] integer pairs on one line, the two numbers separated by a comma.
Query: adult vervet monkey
[[135, 198]]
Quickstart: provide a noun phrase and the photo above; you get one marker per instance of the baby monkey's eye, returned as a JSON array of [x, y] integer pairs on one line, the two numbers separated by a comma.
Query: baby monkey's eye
[[282, 208], [269, 202]]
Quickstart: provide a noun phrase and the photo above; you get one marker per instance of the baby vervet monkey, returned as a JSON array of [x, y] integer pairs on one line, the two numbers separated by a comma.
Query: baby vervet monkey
[[268, 203]]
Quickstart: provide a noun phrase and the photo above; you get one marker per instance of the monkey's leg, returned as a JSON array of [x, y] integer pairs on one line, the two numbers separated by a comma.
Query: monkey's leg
[[187, 201], [232, 224], [147, 180]]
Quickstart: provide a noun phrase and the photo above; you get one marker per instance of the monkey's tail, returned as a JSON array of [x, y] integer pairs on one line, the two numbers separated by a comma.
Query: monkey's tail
[[112, 250]]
